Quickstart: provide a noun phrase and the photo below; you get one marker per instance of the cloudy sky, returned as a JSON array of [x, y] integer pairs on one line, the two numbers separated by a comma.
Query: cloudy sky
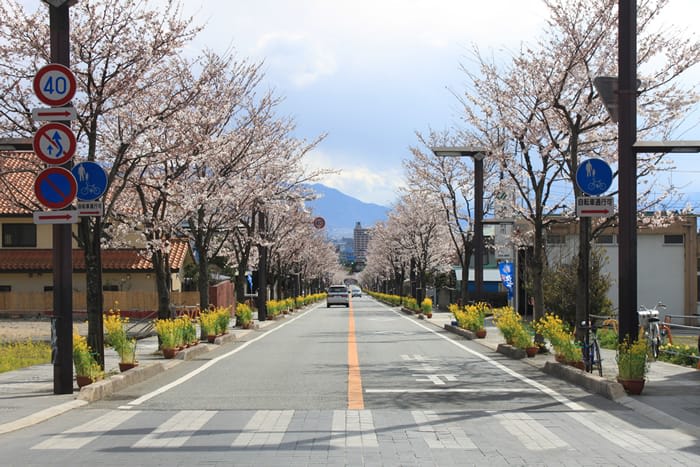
[[370, 73]]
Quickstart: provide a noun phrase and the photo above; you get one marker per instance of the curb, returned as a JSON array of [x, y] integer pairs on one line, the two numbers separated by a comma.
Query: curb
[[40, 416], [596, 384]]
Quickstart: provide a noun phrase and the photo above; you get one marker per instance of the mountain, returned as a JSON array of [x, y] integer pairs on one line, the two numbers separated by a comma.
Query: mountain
[[342, 211]]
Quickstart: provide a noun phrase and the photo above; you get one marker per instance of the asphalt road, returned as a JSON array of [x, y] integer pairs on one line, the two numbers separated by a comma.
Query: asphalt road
[[359, 386]]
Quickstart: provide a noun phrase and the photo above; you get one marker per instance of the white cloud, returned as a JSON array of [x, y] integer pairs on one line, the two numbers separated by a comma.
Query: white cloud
[[299, 58], [367, 184]]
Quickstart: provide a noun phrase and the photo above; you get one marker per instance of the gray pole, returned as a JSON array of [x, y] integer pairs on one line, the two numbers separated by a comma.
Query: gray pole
[[262, 271], [479, 227], [62, 240], [627, 134]]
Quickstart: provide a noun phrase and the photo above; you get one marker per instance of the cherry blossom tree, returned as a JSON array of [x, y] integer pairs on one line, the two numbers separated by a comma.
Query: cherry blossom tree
[[540, 113], [417, 237], [120, 53]]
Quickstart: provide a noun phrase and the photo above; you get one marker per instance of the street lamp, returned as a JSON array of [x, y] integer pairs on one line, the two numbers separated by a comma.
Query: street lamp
[[478, 154], [624, 102]]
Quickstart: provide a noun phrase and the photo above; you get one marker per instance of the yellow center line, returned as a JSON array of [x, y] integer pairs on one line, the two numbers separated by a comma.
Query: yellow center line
[[355, 400]]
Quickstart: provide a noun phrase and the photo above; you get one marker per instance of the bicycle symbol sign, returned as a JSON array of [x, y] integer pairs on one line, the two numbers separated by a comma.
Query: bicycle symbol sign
[[91, 179], [594, 177]]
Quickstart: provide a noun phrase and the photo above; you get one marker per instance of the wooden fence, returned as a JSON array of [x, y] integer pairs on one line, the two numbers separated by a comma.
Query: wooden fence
[[42, 302]]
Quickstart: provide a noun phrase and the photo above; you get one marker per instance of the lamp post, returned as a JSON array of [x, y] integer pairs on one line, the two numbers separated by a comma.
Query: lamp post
[[478, 155], [622, 105]]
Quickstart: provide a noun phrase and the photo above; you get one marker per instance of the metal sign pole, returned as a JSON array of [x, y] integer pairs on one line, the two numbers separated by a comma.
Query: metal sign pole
[[62, 240]]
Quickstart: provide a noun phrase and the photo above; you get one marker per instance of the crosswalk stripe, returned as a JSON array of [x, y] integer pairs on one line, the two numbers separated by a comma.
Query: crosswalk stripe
[[530, 432], [176, 430], [353, 428], [265, 429], [617, 431], [440, 435], [81, 435]]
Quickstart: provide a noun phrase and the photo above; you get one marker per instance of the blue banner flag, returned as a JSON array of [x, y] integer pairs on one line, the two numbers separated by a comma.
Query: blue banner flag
[[507, 277]]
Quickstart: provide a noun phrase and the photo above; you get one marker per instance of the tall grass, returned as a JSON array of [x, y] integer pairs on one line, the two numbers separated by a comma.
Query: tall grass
[[16, 355]]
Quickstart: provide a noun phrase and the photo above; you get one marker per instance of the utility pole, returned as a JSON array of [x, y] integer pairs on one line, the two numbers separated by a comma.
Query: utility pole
[[62, 321]]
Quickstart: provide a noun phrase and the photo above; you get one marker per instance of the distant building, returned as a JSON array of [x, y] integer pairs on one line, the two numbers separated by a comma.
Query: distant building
[[360, 241]]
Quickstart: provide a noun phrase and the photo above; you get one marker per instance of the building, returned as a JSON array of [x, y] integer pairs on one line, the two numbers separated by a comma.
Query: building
[[667, 262], [26, 255], [361, 238]]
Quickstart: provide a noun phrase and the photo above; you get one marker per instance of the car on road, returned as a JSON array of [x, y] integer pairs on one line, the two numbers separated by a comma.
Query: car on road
[[356, 291], [337, 295]]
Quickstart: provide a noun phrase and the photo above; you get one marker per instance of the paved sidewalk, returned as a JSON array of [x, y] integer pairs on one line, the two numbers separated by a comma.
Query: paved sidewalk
[[671, 394]]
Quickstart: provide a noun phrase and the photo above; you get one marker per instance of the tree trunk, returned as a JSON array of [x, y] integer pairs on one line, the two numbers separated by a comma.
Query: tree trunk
[[583, 276], [90, 233], [537, 271], [161, 265]]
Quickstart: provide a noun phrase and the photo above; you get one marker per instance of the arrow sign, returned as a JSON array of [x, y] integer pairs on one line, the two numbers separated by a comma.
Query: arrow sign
[[56, 217], [54, 84], [600, 206], [55, 187], [54, 143], [54, 113]]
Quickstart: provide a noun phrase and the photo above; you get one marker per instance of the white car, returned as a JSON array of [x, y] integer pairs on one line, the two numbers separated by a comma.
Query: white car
[[337, 295], [355, 291]]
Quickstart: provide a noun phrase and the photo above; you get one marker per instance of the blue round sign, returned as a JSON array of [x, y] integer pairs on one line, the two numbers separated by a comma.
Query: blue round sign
[[91, 179], [594, 177]]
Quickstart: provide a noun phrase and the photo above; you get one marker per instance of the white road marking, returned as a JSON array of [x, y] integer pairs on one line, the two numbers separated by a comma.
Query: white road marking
[[265, 429], [454, 390], [436, 379], [353, 429], [617, 431], [176, 430], [530, 432], [440, 435], [541, 387], [77, 437]]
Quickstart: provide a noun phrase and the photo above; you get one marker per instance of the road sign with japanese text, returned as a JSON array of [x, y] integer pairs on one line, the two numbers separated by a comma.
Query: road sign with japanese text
[[595, 206]]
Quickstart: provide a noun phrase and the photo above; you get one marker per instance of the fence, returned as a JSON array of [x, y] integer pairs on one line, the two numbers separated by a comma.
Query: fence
[[28, 303]]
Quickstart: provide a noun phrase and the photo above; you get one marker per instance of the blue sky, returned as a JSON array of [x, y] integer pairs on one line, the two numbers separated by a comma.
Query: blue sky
[[372, 72]]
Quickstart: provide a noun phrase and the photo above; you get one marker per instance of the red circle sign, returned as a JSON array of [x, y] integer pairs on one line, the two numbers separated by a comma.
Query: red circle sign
[[54, 143], [54, 85], [55, 187], [319, 222]]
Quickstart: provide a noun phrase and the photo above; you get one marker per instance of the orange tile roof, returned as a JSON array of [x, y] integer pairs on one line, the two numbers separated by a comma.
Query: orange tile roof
[[18, 170], [24, 259]]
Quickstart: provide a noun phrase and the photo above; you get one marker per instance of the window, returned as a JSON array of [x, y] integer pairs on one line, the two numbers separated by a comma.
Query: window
[[555, 239], [18, 235], [607, 239], [673, 239]]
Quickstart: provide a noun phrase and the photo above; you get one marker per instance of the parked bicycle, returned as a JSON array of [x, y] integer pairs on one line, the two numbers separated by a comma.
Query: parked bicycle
[[591, 348], [649, 326]]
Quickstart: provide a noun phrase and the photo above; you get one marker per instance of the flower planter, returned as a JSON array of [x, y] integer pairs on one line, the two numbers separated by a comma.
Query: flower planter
[[532, 351], [211, 338], [169, 352], [83, 380], [632, 386], [127, 366], [481, 333]]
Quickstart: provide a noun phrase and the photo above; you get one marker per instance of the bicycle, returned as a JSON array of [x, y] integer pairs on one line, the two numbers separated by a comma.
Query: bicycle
[[591, 349], [649, 326]]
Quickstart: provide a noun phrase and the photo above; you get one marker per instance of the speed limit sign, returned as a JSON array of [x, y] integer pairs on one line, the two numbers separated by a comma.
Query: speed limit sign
[[319, 222], [54, 85]]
